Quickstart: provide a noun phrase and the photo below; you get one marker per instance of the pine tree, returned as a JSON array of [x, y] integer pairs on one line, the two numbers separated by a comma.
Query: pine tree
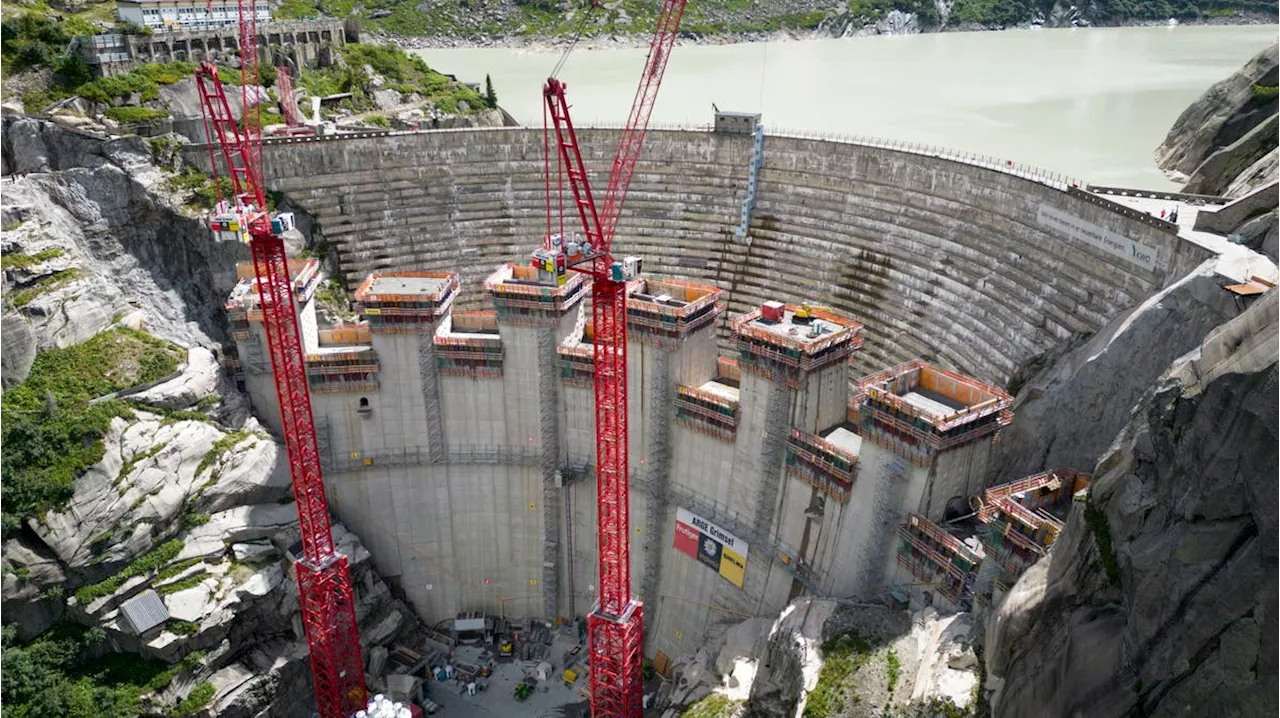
[[490, 97]]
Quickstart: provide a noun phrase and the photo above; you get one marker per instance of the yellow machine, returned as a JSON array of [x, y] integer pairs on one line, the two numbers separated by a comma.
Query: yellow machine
[[505, 649], [804, 314], [570, 676]]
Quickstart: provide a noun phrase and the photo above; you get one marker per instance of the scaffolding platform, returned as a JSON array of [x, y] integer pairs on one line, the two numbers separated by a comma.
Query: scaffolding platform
[[341, 368], [918, 410], [519, 297], [468, 344], [405, 302], [935, 556], [243, 305], [664, 311], [1023, 518], [784, 348], [828, 463]]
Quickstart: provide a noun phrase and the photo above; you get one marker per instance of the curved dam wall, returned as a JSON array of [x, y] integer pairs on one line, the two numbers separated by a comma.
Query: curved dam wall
[[475, 492], [939, 259]]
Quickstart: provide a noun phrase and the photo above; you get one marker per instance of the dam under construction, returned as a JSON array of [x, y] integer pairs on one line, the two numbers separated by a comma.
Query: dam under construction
[[821, 348]]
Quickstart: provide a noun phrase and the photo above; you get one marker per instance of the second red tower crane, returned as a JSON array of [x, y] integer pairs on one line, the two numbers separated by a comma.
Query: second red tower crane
[[615, 626]]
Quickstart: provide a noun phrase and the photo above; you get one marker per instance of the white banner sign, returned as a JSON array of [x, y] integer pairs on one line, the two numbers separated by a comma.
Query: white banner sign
[[1099, 237]]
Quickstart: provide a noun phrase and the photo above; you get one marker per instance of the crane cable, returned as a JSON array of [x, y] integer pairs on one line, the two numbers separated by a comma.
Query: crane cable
[[577, 33]]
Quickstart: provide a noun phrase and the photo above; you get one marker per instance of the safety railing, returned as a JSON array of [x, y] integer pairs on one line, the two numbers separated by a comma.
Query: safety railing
[[1056, 180]]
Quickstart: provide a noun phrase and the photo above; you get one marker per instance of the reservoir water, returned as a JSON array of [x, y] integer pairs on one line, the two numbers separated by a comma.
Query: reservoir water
[[1091, 103]]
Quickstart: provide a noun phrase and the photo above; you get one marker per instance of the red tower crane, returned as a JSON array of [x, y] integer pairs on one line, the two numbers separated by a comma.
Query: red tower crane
[[324, 586], [615, 626]]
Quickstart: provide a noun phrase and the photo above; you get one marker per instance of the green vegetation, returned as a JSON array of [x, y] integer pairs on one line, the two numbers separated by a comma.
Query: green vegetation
[[220, 447], [147, 562], [169, 572], [197, 699], [33, 39], [182, 628], [50, 434], [713, 706], [377, 120], [490, 97], [894, 669], [332, 298], [191, 581], [1096, 519], [403, 73], [43, 285], [128, 113], [872, 10], [203, 194], [523, 691], [842, 656], [18, 260], [53, 676], [1262, 92]]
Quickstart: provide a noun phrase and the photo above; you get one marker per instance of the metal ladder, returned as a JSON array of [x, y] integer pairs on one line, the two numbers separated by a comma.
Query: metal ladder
[[753, 180]]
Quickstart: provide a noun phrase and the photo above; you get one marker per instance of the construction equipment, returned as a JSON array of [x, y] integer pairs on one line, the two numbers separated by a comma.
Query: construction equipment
[[804, 314], [324, 586], [614, 627], [289, 106], [505, 649]]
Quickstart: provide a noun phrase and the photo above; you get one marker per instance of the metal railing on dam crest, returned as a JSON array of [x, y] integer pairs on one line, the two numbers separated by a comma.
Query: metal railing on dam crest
[[1056, 180]]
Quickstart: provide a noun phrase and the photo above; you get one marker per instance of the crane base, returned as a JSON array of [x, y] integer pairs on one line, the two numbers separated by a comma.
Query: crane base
[[614, 646], [329, 618]]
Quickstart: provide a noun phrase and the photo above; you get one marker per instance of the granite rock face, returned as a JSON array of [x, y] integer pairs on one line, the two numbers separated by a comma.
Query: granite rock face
[[123, 241], [1227, 131], [1068, 414], [1160, 596]]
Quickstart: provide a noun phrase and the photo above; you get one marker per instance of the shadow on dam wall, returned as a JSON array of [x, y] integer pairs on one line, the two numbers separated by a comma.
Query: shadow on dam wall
[[936, 257]]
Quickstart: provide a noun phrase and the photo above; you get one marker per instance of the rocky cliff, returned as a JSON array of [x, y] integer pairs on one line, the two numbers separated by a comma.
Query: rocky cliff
[[1160, 596], [190, 496], [1225, 142]]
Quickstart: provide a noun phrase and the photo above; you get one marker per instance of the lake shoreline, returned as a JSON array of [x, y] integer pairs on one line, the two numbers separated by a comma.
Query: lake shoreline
[[556, 43]]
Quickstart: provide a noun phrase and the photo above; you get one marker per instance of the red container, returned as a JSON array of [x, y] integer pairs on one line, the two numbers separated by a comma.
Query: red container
[[772, 311]]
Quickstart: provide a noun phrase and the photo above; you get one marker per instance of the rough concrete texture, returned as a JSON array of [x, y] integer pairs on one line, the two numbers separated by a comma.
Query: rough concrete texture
[[1069, 413], [1160, 596], [1224, 114], [937, 258]]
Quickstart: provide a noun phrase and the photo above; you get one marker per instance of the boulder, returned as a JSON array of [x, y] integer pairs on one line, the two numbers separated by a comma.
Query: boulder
[[18, 350], [386, 99]]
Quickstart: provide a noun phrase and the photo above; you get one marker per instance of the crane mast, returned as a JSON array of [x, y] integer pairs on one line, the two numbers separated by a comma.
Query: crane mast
[[324, 583], [615, 626]]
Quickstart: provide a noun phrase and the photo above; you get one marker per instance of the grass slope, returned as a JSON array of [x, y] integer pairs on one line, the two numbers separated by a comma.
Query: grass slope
[[50, 432]]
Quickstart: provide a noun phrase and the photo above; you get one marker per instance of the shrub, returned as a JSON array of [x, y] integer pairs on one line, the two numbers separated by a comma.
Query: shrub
[[150, 561], [182, 628], [134, 114], [196, 700]]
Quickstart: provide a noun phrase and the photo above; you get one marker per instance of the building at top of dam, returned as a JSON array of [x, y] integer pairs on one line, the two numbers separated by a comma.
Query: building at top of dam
[[777, 447]]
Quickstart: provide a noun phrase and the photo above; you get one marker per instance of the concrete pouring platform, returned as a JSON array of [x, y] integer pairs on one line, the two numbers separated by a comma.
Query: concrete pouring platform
[[426, 286], [795, 331]]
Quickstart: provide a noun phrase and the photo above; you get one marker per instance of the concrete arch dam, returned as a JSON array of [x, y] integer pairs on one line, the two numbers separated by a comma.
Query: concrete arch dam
[[469, 490]]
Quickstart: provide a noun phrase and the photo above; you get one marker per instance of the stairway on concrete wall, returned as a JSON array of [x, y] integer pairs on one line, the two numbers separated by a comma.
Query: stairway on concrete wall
[[753, 178]]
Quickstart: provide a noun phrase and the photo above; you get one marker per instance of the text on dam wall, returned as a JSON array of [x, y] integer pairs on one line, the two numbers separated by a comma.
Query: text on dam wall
[[1104, 239], [703, 541]]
